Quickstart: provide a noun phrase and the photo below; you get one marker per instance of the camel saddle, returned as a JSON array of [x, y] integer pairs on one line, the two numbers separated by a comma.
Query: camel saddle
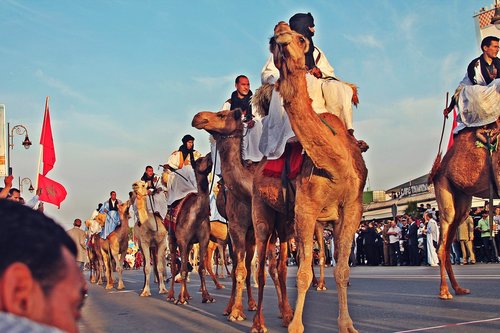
[[292, 159], [170, 221]]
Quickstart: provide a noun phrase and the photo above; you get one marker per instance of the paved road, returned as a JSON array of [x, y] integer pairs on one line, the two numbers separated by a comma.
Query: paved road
[[381, 299]]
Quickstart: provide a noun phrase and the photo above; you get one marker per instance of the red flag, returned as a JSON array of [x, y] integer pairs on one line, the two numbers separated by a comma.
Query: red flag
[[450, 142], [52, 192], [46, 140]]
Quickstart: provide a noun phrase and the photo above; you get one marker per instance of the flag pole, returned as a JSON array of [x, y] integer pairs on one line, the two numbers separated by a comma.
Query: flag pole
[[41, 146]]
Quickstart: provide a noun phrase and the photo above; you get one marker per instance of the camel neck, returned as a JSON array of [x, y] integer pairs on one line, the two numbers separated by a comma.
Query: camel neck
[[236, 176]]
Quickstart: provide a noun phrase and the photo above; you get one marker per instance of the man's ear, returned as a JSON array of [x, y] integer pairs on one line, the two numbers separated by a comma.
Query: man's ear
[[17, 290]]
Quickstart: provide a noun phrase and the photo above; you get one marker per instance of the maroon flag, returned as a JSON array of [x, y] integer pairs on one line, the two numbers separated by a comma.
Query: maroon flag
[[52, 192], [46, 140]]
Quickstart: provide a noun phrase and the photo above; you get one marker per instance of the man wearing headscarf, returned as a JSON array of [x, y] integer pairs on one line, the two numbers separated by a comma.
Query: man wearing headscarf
[[241, 98], [327, 92], [179, 175]]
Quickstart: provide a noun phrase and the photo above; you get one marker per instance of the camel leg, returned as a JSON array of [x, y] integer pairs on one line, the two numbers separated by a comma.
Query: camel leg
[[209, 264], [344, 233], [320, 286], [453, 208], [172, 242], [119, 265], [272, 268], [238, 229], [203, 236], [263, 220], [286, 309], [145, 249], [109, 273], [250, 249], [183, 296], [160, 262], [305, 229], [220, 252], [225, 260]]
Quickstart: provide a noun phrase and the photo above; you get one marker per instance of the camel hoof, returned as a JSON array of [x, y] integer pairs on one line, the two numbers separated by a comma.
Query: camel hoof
[[145, 294], [163, 291], [321, 288], [445, 296], [462, 291], [220, 286], [252, 305], [208, 299], [109, 286], [259, 329], [121, 286], [171, 299], [236, 316], [181, 302]]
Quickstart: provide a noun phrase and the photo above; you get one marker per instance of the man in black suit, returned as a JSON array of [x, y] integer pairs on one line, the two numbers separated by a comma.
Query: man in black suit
[[413, 242]]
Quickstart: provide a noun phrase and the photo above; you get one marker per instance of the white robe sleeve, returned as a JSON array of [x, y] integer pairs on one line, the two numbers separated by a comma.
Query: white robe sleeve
[[270, 74], [322, 63]]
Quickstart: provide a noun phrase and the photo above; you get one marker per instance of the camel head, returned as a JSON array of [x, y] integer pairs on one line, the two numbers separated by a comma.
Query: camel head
[[288, 48], [140, 188], [123, 210], [204, 165], [222, 123]]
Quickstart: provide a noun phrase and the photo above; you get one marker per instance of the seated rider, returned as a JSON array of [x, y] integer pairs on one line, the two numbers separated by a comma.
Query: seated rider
[[477, 97], [241, 98], [156, 202], [179, 175], [328, 94], [110, 208]]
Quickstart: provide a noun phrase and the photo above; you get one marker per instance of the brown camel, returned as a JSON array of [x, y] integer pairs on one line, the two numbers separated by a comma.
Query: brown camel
[[464, 172], [151, 234], [328, 189], [219, 236], [227, 129], [192, 227], [96, 264], [116, 246]]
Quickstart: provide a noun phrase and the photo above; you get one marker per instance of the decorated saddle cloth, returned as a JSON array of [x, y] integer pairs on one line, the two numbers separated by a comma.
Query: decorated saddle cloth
[[170, 220], [294, 152], [477, 105]]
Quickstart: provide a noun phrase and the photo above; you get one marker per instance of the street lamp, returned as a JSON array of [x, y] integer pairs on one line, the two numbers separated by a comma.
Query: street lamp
[[26, 180], [20, 130]]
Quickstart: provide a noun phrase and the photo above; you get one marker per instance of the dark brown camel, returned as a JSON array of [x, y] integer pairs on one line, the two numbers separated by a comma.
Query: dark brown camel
[[464, 172], [192, 227]]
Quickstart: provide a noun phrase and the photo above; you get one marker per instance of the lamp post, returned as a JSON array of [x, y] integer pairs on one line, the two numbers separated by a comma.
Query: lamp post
[[26, 180], [20, 130]]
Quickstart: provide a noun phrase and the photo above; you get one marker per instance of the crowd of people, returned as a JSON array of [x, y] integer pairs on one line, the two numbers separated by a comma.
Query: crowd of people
[[413, 240]]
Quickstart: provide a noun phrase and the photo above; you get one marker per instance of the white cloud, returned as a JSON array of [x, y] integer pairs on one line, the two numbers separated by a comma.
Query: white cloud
[[366, 40]]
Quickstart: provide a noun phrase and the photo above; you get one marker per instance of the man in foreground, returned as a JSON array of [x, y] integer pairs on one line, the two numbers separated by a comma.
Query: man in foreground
[[41, 286]]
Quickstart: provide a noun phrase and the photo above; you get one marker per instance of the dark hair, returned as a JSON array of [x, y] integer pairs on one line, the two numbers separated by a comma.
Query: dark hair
[[149, 167], [487, 41], [12, 190], [110, 193], [239, 77], [34, 239]]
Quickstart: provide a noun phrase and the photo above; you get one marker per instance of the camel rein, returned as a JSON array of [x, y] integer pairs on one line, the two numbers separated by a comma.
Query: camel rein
[[444, 124]]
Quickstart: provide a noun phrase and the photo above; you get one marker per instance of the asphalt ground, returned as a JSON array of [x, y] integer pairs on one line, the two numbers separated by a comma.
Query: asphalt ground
[[381, 299]]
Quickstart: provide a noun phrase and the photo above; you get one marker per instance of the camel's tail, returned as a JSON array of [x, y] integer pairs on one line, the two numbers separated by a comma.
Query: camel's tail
[[355, 96], [435, 167]]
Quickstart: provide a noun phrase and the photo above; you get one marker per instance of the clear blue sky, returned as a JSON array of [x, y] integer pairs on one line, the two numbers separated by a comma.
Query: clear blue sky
[[126, 77]]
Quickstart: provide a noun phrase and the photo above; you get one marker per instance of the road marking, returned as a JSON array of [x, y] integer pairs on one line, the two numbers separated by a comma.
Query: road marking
[[199, 310], [122, 291], [450, 325], [394, 276]]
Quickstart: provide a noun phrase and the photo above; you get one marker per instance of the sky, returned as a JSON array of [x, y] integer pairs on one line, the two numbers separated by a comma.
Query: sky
[[125, 79]]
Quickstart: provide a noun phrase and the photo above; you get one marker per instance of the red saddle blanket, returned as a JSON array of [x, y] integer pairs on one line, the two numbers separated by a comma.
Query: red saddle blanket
[[274, 168], [170, 220]]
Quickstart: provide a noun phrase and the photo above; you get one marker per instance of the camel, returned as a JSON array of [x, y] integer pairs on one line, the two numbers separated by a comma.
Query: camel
[[96, 263], [329, 186], [218, 241], [192, 227], [151, 233], [227, 129], [116, 246], [465, 171]]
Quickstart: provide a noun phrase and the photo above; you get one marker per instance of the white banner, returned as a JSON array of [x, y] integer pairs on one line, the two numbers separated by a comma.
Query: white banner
[[3, 143]]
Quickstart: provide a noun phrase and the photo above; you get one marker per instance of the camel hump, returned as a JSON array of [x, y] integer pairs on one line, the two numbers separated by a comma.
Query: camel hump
[[435, 168], [261, 99]]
